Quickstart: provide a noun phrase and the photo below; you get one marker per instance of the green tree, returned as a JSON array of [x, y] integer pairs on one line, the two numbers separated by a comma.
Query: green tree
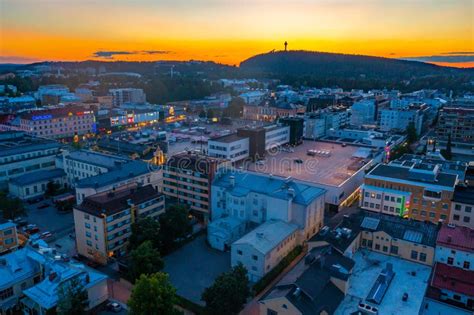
[[202, 114], [146, 229], [210, 114], [11, 207], [51, 188], [411, 133], [145, 259], [229, 292], [153, 295], [235, 108], [174, 225], [448, 153], [72, 298]]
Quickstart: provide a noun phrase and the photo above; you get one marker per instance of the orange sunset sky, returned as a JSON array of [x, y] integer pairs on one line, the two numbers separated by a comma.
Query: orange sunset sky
[[229, 31]]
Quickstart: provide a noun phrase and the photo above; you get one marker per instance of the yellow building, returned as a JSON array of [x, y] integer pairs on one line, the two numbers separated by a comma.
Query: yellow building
[[8, 236], [421, 192]]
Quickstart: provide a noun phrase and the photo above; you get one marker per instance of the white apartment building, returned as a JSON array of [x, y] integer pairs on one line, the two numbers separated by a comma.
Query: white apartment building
[[399, 119], [230, 147], [262, 249], [256, 198], [363, 113], [127, 95], [103, 221], [455, 246]]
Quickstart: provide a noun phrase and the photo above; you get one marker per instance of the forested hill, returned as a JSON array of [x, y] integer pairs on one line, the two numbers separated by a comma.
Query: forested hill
[[319, 64]]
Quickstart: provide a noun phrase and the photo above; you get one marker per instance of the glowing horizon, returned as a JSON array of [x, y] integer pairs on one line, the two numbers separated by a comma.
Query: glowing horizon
[[226, 31]]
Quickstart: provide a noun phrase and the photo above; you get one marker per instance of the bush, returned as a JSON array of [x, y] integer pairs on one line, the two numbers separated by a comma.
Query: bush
[[269, 277]]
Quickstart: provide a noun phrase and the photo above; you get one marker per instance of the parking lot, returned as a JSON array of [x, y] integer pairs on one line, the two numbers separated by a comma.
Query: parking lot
[[194, 267]]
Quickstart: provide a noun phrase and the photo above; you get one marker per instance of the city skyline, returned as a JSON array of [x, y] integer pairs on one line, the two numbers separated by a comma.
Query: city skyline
[[229, 32]]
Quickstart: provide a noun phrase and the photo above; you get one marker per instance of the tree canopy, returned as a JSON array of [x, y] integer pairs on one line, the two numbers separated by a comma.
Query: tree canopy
[[72, 298], [174, 225], [153, 295], [145, 259], [229, 292], [146, 229]]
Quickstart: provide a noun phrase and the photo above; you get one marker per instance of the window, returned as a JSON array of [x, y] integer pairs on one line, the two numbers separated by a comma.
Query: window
[[5, 294], [387, 198], [254, 268], [456, 217], [423, 213], [394, 250], [414, 255], [468, 209], [271, 312], [457, 297], [466, 265], [399, 200], [432, 214], [445, 206], [385, 249], [89, 243], [254, 257], [377, 246], [467, 219], [450, 260], [457, 207], [239, 252], [422, 257], [364, 242], [88, 226], [369, 243]]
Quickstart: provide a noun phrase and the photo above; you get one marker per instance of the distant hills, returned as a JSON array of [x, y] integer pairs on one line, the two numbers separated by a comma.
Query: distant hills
[[321, 64]]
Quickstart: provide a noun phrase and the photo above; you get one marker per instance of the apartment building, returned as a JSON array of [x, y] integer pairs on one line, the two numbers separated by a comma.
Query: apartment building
[[57, 123], [103, 221], [456, 122], [451, 285], [297, 294], [421, 192], [385, 234], [462, 208], [21, 154], [260, 250], [187, 178], [83, 164], [127, 95], [363, 112], [8, 236], [30, 277], [276, 136], [254, 199], [400, 119]]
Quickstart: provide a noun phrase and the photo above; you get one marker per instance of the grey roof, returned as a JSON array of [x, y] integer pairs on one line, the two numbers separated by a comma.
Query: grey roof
[[18, 143], [126, 171], [38, 176], [228, 138], [424, 233], [273, 186], [403, 173], [95, 158], [308, 286]]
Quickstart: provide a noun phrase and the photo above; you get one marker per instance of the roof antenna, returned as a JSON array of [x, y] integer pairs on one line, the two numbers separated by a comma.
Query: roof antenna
[[286, 45]]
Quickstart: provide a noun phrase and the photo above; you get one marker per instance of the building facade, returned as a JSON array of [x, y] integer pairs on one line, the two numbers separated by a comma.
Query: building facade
[[8, 236], [462, 208], [103, 221], [127, 95], [35, 184]]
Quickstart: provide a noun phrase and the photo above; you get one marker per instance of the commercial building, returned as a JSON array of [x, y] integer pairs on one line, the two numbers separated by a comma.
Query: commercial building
[[316, 285], [65, 122], [103, 221], [127, 95], [338, 169], [318, 123], [187, 179], [135, 117], [30, 277], [35, 184], [21, 154], [451, 285], [8, 236], [385, 234], [462, 208], [255, 199], [229, 147], [296, 125], [51, 94], [260, 250], [421, 191], [400, 119]]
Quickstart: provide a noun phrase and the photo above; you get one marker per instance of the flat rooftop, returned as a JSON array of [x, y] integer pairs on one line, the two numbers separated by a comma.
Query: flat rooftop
[[331, 170], [368, 266], [228, 138]]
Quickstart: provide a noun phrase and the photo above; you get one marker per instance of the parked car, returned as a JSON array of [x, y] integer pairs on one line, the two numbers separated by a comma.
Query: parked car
[[114, 307], [46, 234], [43, 205]]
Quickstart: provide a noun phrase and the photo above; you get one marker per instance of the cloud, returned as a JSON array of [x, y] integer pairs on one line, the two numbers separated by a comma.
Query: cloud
[[110, 54], [156, 52], [448, 58]]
